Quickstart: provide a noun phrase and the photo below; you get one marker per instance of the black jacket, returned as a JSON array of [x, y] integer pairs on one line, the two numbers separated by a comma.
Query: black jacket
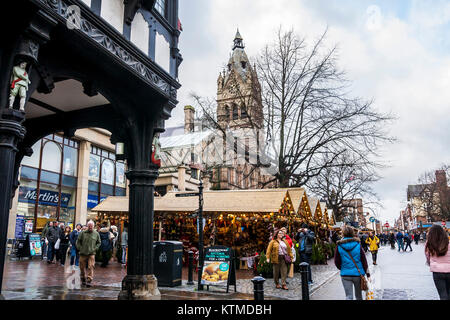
[[53, 234], [65, 239], [309, 240]]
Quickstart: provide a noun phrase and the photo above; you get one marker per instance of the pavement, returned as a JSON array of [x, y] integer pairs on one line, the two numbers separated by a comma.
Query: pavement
[[37, 280], [397, 276]]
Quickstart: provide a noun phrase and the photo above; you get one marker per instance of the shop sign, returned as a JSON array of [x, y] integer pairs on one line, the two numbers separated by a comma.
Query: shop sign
[[46, 197], [28, 226], [35, 244], [218, 267], [20, 226], [92, 201]]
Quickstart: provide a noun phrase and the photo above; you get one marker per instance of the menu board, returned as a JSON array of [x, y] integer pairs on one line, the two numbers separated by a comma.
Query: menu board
[[34, 240], [20, 226], [218, 268]]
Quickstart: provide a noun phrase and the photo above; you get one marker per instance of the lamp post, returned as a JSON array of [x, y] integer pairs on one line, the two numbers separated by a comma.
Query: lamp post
[[200, 234]]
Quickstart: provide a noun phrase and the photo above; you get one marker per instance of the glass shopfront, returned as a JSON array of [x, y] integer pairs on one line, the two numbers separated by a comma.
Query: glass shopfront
[[106, 176], [48, 182]]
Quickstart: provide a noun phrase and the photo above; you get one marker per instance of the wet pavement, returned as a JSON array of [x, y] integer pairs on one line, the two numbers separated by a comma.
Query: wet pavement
[[37, 280], [397, 276]]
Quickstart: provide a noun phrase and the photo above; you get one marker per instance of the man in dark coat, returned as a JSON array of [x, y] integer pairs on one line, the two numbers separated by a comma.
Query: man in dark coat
[[106, 244], [52, 236], [305, 239]]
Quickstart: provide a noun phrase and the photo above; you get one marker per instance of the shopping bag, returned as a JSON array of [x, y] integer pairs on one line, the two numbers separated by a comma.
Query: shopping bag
[[291, 271], [57, 244], [370, 289]]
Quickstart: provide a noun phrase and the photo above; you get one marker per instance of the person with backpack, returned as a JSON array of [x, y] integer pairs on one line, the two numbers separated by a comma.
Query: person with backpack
[[305, 238], [437, 253], [399, 238], [106, 238], [350, 258]]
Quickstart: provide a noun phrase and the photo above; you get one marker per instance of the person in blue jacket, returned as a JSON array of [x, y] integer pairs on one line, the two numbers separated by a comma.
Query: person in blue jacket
[[74, 252], [399, 237], [347, 248]]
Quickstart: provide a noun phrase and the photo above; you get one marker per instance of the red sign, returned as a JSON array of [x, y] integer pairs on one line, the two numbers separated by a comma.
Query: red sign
[[444, 223], [386, 225]]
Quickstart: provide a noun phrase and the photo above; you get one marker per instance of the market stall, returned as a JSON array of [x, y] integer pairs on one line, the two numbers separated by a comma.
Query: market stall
[[240, 219]]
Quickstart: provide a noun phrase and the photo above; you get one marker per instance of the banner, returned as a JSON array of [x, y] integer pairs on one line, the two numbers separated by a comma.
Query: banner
[[46, 197], [35, 244], [216, 266], [20, 226]]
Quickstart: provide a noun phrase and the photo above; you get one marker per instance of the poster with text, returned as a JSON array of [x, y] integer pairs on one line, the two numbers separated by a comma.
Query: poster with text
[[216, 267]]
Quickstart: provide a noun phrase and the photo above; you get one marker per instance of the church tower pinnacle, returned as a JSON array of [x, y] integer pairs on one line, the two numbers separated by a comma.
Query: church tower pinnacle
[[238, 41]]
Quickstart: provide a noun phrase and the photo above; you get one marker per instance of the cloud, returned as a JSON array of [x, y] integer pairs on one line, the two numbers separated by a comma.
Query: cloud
[[395, 52]]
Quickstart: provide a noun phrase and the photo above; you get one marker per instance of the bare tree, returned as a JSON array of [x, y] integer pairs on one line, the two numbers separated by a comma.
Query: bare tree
[[311, 118], [350, 178]]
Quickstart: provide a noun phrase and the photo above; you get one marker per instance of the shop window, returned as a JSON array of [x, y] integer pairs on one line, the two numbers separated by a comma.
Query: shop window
[[120, 175], [50, 177], [108, 172], [121, 192], [28, 173], [160, 6], [27, 198], [93, 186], [94, 167], [51, 157], [107, 189], [69, 181], [70, 161], [33, 161]]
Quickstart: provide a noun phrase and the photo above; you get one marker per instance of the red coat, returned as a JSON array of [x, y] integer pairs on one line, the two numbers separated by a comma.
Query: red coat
[[289, 240]]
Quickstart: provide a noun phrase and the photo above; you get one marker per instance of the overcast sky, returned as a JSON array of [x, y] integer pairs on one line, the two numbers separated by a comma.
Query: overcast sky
[[396, 52]]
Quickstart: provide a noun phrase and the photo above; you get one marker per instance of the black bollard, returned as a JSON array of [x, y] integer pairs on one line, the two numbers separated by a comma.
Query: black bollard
[[191, 267], [305, 285], [258, 287]]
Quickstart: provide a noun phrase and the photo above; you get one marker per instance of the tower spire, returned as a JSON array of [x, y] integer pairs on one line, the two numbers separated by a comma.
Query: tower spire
[[238, 41]]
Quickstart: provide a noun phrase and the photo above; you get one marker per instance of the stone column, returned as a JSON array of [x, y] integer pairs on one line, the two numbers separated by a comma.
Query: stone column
[[11, 133], [83, 182], [140, 282]]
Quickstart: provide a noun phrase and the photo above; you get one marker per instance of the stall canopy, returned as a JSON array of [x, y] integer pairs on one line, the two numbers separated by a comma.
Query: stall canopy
[[280, 201]]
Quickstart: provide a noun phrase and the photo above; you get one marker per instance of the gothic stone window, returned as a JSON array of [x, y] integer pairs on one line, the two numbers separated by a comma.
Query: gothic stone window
[[243, 112], [235, 112]]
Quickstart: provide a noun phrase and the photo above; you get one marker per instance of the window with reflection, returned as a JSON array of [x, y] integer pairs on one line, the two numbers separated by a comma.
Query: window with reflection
[[48, 182], [160, 6]]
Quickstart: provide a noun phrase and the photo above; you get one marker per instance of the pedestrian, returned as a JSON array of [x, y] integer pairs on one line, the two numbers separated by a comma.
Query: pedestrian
[[408, 241], [52, 236], [399, 238], [305, 238], [124, 244], [364, 241], [392, 240], [437, 252], [74, 252], [335, 237], [416, 237], [58, 251], [114, 242], [373, 242], [44, 239], [106, 244], [64, 244], [289, 240], [277, 252], [350, 258], [88, 243]]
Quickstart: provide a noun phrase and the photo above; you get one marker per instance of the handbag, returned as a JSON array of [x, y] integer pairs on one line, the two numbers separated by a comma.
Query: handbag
[[287, 258], [57, 244], [364, 284]]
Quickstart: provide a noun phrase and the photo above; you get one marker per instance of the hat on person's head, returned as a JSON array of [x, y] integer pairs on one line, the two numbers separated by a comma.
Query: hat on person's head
[[304, 225]]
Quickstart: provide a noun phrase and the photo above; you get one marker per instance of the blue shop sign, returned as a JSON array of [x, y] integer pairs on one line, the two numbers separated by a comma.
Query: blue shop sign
[[46, 197], [92, 201]]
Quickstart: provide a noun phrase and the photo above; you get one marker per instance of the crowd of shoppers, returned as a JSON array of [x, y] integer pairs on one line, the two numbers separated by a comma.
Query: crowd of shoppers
[[82, 244]]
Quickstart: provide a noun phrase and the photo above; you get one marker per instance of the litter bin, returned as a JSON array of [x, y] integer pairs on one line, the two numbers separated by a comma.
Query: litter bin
[[168, 262]]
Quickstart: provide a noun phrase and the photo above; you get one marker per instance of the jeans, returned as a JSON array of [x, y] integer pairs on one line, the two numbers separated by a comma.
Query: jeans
[[44, 249], [50, 251], [374, 256], [74, 256], [442, 283], [124, 254], [63, 252], [408, 244], [400, 245], [349, 283], [306, 257]]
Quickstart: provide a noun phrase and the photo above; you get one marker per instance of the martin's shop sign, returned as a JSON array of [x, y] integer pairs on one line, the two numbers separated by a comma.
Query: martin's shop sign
[[46, 197]]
